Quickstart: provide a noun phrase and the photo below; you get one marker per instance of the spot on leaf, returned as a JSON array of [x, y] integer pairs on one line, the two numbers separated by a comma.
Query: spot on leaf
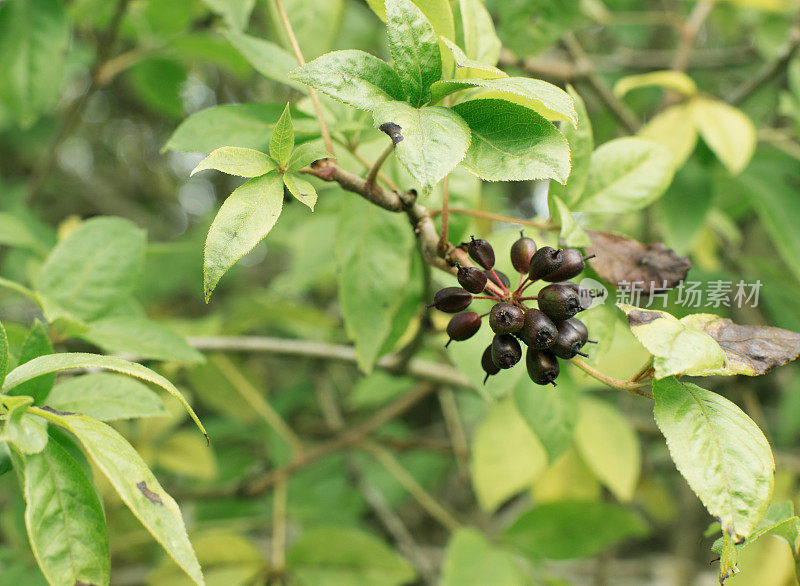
[[149, 494], [393, 130]]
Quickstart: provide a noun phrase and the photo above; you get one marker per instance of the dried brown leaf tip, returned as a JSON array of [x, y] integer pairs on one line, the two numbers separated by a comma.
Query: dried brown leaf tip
[[149, 494], [623, 259], [393, 130], [750, 350]]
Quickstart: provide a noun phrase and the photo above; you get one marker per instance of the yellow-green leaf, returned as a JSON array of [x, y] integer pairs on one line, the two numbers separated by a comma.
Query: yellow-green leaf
[[668, 79], [726, 130], [673, 129]]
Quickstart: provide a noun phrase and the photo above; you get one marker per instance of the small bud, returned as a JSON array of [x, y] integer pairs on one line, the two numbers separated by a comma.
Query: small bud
[[451, 299], [522, 252], [472, 279], [481, 252]]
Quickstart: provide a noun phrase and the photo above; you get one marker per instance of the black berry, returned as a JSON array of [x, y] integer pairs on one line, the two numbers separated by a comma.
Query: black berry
[[472, 279], [572, 266], [522, 252], [506, 351], [481, 252], [463, 326], [503, 278], [538, 331], [505, 318], [451, 299], [568, 343], [560, 302], [489, 367], [542, 366], [580, 327], [546, 260]]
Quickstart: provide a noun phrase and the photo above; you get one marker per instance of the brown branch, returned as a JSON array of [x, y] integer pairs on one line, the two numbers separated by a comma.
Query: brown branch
[[770, 70], [689, 31]]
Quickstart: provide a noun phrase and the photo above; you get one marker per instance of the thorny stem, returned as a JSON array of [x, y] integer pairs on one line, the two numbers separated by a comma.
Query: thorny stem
[[287, 26]]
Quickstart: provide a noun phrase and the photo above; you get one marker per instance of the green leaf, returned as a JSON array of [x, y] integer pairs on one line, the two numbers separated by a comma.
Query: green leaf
[[572, 529], [512, 143], [16, 232], [414, 46], [135, 484], [506, 456], [668, 79], [548, 100], [36, 344], [345, 556], [373, 251], [186, 454], [571, 233], [735, 476], [241, 125], [469, 68], [64, 518], [581, 145], [281, 144], [4, 355], [549, 413], [237, 161], [106, 396], [677, 348], [145, 339], [480, 39], [779, 521], [726, 130], [305, 154], [34, 38], [353, 77], [158, 82], [432, 141], [270, 60], [236, 13], [72, 361], [243, 221], [472, 560], [675, 130], [301, 189], [26, 433], [95, 267], [228, 559], [625, 175], [609, 446]]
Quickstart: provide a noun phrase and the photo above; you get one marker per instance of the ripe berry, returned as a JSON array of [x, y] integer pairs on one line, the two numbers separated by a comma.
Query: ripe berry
[[506, 351], [500, 275], [545, 261], [538, 331], [568, 343], [481, 252], [522, 252], [505, 318], [559, 302], [580, 327], [463, 326], [489, 367], [472, 279], [572, 266], [451, 299], [542, 366]]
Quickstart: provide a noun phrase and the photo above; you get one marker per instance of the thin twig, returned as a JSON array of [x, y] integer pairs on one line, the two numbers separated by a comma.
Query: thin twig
[[617, 107], [287, 26], [376, 166], [445, 213], [770, 70], [689, 31], [455, 429], [622, 385], [542, 224], [368, 165], [279, 496], [414, 488]]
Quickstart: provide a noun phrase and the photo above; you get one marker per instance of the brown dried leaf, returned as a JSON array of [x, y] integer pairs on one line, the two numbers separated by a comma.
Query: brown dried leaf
[[620, 258], [750, 350]]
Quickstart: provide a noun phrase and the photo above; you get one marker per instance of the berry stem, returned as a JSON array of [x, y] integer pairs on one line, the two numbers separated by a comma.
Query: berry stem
[[532, 298], [492, 297], [526, 286], [503, 285]]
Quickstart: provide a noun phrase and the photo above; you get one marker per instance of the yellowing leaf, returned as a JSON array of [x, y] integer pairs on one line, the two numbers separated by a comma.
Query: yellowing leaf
[[668, 79], [726, 130], [674, 129], [506, 456]]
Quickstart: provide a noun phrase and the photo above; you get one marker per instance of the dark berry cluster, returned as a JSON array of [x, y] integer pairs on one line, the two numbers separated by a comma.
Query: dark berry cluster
[[550, 331]]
